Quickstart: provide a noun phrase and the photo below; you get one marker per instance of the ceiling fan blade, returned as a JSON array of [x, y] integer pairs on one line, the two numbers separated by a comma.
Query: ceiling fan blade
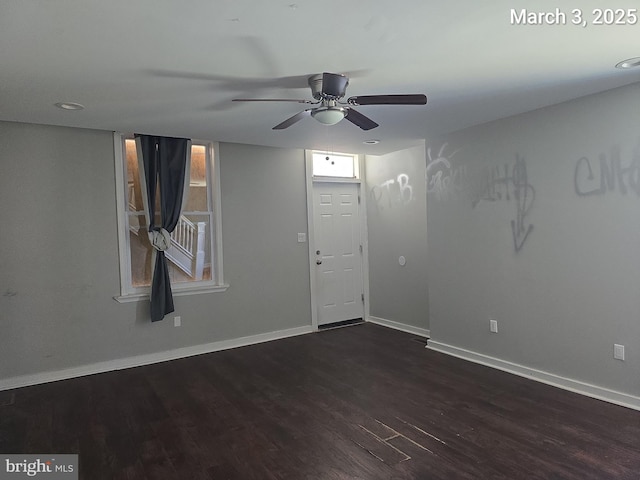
[[362, 121], [291, 120], [409, 99], [334, 84], [272, 100]]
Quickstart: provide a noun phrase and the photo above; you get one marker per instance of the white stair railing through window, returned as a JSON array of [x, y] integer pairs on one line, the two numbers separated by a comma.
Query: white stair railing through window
[[187, 247], [187, 243]]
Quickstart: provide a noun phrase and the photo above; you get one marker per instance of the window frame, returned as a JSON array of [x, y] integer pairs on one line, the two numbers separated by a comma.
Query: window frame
[[131, 293], [355, 158]]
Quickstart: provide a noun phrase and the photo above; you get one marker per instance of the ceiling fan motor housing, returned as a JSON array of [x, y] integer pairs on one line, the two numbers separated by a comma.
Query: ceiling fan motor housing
[[334, 86]]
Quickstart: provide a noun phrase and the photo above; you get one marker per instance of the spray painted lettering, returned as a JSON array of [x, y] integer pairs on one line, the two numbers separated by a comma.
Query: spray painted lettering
[[524, 195], [510, 181], [443, 179], [392, 193], [611, 175]]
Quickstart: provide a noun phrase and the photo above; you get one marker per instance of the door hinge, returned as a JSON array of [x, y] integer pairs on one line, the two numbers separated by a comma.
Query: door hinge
[[358, 199], [362, 296], [360, 248]]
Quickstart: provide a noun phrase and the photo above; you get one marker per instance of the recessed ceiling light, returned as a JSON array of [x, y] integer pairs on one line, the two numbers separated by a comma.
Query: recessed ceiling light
[[629, 63], [371, 142], [69, 106]]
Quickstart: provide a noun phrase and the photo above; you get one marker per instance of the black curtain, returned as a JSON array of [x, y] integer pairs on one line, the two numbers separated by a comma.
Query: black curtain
[[164, 171]]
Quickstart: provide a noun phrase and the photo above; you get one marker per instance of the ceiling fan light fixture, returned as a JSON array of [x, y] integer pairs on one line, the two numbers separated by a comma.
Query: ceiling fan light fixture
[[328, 115]]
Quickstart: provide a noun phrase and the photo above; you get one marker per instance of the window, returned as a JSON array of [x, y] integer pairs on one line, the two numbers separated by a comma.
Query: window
[[195, 255], [334, 165]]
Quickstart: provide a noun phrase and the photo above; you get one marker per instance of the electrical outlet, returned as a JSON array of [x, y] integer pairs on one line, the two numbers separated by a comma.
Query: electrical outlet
[[618, 351], [177, 321], [493, 326]]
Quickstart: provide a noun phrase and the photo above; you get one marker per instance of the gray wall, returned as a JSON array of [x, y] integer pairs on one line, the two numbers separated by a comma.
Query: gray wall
[[567, 291], [397, 226], [59, 253]]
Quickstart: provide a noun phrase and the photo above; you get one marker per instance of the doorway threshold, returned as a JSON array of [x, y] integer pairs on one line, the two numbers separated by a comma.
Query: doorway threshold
[[343, 323]]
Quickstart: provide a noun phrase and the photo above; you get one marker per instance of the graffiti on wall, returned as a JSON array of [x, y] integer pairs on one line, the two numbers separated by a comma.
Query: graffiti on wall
[[509, 182], [392, 193], [524, 195], [443, 178], [609, 175]]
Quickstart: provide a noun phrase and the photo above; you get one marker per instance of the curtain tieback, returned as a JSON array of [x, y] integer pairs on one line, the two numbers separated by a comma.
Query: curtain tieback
[[160, 239]]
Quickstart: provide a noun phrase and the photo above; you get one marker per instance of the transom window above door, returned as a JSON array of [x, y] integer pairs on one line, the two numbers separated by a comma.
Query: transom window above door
[[341, 165]]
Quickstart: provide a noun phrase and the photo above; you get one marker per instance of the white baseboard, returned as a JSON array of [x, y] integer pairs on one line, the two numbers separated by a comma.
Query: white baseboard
[[421, 332], [140, 360], [611, 396]]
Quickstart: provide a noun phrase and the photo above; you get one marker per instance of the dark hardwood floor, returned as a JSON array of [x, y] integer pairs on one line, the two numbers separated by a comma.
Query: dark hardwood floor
[[362, 402]]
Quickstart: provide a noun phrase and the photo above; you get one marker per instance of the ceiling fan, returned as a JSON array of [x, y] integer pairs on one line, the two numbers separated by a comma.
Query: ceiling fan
[[328, 89]]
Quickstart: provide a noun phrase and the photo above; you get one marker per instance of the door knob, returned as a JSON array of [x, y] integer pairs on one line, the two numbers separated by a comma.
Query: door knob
[[318, 262]]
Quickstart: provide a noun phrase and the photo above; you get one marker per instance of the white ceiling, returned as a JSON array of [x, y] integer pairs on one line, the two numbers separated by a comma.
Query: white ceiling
[[171, 67]]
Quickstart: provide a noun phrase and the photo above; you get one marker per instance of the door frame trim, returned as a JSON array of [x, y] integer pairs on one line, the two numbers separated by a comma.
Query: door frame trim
[[362, 211]]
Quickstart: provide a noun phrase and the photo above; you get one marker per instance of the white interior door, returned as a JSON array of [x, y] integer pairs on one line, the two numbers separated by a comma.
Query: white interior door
[[338, 252]]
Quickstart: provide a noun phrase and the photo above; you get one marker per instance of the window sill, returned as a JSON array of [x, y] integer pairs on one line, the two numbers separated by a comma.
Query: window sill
[[136, 297]]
